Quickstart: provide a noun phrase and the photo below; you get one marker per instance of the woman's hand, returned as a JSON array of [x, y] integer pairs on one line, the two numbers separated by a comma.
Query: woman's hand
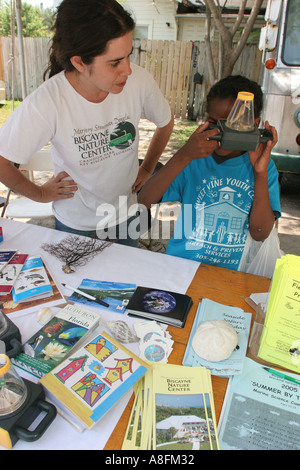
[[141, 179], [58, 187]]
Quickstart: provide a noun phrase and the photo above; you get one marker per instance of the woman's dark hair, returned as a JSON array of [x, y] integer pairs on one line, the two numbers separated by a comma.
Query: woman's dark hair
[[83, 28], [230, 86]]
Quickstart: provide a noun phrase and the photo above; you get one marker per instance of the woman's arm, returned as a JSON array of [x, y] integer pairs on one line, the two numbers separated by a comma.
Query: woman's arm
[[57, 187], [157, 145]]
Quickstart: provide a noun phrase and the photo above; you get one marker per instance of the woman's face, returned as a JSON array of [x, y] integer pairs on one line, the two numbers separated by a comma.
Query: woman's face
[[108, 72]]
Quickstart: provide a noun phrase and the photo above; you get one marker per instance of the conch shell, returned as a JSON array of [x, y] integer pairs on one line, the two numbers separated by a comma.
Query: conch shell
[[121, 331]]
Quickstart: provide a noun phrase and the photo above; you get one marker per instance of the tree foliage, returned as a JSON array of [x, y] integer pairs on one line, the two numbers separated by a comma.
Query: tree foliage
[[36, 22]]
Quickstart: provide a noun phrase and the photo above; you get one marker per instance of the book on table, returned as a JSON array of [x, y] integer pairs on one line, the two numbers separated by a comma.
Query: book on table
[[32, 304], [86, 385], [5, 257], [163, 306], [115, 294], [32, 282], [10, 273], [67, 330]]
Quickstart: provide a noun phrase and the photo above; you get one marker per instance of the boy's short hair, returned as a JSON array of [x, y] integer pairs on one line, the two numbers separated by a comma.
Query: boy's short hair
[[230, 86]]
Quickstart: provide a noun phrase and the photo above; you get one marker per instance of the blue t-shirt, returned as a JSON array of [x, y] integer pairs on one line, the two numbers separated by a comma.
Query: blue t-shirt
[[213, 224]]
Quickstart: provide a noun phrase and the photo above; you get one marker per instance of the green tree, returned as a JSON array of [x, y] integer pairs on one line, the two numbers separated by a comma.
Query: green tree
[[36, 22]]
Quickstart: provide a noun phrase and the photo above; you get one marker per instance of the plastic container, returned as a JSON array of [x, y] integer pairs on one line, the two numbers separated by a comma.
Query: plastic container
[[13, 391], [241, 116]]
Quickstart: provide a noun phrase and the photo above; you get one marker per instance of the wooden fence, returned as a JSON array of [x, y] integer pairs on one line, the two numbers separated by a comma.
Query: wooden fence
[[175, 65]]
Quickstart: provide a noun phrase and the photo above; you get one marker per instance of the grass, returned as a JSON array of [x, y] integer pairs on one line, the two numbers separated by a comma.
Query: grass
[[181, 132], [6, 110]]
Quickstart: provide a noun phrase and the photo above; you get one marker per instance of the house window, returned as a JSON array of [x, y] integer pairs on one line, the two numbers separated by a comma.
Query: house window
[[141, 32], [209, 220], [236, 223]]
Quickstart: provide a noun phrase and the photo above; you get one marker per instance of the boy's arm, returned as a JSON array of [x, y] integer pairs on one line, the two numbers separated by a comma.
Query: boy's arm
[[197, 146], [262, 218], [55, 188], [157, 145]]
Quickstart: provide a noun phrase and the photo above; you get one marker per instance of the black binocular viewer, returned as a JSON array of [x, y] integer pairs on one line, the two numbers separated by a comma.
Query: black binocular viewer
[[239, 140]]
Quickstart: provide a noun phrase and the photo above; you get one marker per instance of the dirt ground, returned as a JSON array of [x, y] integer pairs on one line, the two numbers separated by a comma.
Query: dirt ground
[[288, 224]]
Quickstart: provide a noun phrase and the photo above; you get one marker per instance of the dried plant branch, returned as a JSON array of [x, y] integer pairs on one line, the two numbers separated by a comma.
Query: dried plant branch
[[75, 251]]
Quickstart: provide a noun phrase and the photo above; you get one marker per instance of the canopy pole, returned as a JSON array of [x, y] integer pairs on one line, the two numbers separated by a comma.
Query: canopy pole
[[21, 46]]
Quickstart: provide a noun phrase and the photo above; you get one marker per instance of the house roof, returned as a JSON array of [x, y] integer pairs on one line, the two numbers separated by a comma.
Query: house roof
[[230, 7], [177, 422]]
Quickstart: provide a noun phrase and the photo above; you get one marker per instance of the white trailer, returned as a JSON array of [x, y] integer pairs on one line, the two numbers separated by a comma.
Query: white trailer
[[280, 43]]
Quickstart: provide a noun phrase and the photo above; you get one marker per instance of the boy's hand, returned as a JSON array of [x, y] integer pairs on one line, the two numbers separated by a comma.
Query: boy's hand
[[260, 158], [199, 145]]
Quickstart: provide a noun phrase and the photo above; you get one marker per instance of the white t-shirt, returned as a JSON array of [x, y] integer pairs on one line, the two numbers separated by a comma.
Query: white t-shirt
[[95, 143]]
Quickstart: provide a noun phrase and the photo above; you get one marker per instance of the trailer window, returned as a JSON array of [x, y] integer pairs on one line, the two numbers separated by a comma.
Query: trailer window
[[291, 42]]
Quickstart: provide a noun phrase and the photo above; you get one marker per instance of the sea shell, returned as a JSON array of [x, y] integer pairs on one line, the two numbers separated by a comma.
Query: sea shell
[[121, 331], [67, 269], [45, 314], [215, 340]]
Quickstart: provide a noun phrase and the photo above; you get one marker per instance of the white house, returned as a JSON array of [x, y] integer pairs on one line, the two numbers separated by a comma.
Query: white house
[[184, 425], [182, 20]]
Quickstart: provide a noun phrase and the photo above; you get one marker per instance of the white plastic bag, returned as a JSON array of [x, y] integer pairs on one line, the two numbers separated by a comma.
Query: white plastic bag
[[260, 257]]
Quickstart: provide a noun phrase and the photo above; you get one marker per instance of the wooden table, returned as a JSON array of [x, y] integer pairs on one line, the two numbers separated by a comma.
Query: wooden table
[[220, 285]]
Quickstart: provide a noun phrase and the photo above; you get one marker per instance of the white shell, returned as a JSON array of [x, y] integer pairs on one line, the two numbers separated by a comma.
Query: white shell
[[121, 331], [44, 315], [215, 340]]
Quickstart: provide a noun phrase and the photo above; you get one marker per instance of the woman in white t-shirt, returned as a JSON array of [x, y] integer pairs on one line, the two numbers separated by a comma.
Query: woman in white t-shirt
[[89, 109]]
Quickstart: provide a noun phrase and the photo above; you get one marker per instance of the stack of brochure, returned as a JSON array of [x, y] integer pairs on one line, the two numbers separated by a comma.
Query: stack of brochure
[[261, 410], [173, 409], [240, 320], [280, 339]]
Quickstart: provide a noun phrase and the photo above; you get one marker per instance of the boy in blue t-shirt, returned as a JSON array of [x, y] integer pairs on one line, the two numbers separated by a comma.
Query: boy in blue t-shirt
[[225, 194]]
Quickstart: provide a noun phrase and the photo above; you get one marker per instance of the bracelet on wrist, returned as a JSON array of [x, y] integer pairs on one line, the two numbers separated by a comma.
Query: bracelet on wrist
[[146, 169]]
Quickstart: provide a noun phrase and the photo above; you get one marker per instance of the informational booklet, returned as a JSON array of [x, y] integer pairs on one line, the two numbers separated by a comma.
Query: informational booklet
[[56, 340], [86, 385], [10, 273], [209, 310], [32, 282], [261, 410], [167, 307], [33, 304], [173, 410], [115, 294], [280, 338], [5, 256]]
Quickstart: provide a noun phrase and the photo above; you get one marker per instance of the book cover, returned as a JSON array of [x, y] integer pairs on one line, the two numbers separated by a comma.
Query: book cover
[[5, 256], [32, 282], [10, 273], [56, 340], [115, 294], [167, 307], [16, 309], [87, 384]]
